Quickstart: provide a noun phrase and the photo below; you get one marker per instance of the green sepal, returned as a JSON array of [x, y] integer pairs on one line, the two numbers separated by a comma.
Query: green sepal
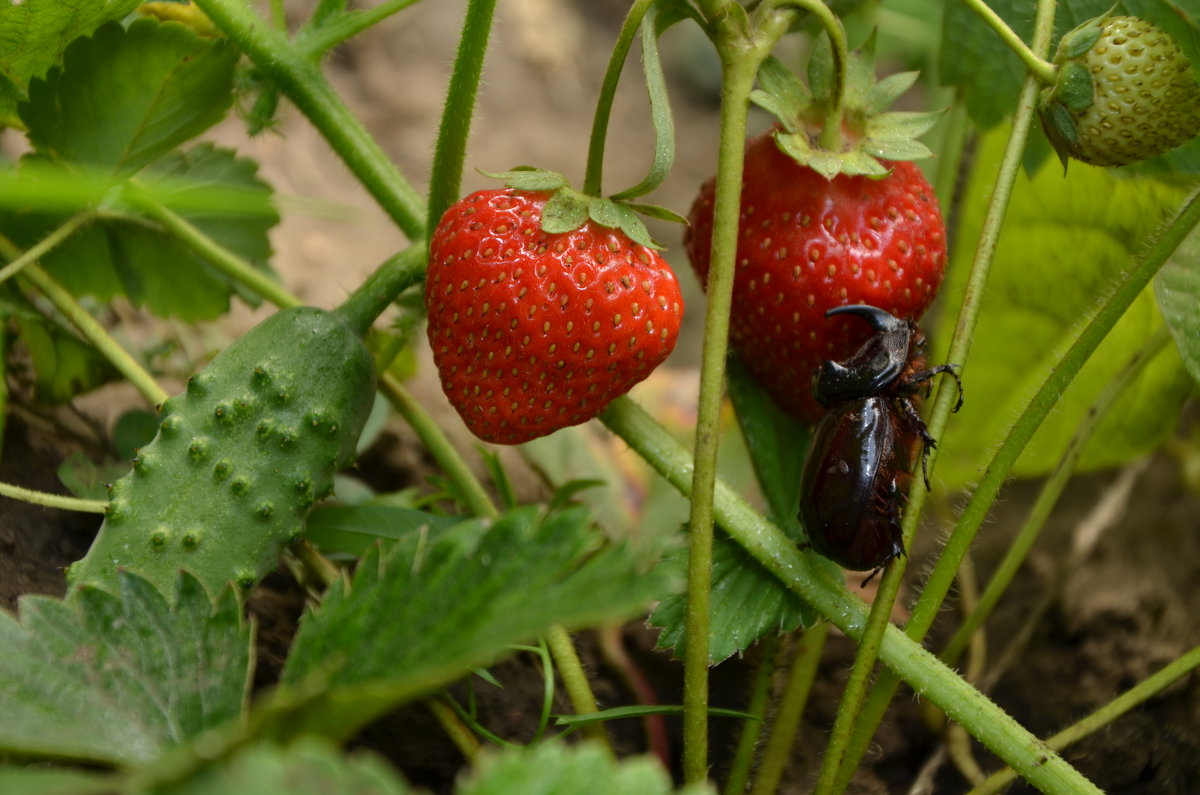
[[565, 211], [889, 89], [1060, 128], [529, 178], [1074, 87], [1078, 41]]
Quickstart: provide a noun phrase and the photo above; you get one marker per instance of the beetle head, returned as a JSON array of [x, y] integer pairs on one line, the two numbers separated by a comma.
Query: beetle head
[[872, 367]]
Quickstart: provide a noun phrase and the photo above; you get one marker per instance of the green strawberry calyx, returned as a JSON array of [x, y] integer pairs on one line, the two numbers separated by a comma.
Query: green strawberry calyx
[[568, 209], [854, 102]]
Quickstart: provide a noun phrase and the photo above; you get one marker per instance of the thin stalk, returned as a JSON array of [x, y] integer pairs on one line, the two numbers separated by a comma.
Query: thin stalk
[[18, 260], [301, 80], [871, 712], [1041, 69], [575, 682], [770, 546], [760, 691], [831, 132], [594, 172], [455, 729], [278, 17], [47, 500], [455, 128], [741, 52], [1051, 490], [315, 43], [218, 256], [805, 659], [96, 334], [373, 296], [1136, 695]]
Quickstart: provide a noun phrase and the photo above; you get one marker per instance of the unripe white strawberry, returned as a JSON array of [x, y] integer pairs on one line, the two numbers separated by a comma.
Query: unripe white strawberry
[[1125, 92]]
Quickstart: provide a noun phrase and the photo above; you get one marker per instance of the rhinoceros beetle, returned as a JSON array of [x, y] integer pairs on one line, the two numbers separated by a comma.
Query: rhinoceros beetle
[[863, 450]]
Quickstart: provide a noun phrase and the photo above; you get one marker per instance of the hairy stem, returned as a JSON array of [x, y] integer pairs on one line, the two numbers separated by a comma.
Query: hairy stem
[[301, 80], [1042, 70], [455, 128], [741, 51]]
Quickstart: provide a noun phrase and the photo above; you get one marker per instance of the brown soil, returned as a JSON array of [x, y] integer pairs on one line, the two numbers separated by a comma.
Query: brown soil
[[1130, 606]]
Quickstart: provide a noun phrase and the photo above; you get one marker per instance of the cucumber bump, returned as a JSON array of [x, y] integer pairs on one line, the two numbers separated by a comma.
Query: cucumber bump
[[240, 458]]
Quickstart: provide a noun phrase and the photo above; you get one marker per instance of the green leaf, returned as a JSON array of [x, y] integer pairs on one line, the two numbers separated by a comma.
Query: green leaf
[[353, 529], [655, 211], [557, 768], [125, 97], [119, 679], [1063, 244], [1178, 290], [125, 255], [34, 33], [307, 767], [529, 178], [64, 366], [889, 89], [747, 603], [86, 479], [430, 610], [133, 429]]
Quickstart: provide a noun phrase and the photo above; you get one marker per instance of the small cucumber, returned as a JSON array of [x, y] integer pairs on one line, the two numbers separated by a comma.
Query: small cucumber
[[240, 458]]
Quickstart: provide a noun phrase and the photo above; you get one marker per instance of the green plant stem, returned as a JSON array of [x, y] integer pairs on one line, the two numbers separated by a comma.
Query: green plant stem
[[760, 692], [868, 714], [831, 132], [770, 546], [51, 500], [18, 260], [217, 255], [301, 80], [96, 334], [1041, 69], [455, 127], [741, 52], [278, 17], [454, 728], [1048, 496], [373, 296], [316, 42], [594, 171], [575, 682], [778, 751], [1136, 695]]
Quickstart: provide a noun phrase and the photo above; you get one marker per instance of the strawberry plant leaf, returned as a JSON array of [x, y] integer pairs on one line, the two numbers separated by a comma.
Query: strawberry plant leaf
[[124, 97], [660, 109], [564, 212], [1064, 242], [353, 529], [429, 610], [1178, 290], [307, 767], [117, 679], [64, 366], [556, 767], [125, 255], [34, 33]]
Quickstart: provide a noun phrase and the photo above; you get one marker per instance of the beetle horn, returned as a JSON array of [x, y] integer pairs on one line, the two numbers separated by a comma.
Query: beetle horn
[[883, 322]]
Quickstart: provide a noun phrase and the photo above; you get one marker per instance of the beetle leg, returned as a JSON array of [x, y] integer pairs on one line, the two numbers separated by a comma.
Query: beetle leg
[[927, 442], [895, 498], [925, 375]]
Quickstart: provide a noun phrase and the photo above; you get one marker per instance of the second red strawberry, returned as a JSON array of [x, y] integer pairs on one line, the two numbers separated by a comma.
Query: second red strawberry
[[534, 331]]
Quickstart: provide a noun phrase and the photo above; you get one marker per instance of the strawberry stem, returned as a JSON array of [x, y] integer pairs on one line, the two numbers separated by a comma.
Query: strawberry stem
[[446, 176], [1042, 69], [742, 49], [831, 133]]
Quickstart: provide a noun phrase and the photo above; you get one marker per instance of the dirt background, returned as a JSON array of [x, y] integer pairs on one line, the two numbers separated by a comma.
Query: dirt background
[[1110, 595]]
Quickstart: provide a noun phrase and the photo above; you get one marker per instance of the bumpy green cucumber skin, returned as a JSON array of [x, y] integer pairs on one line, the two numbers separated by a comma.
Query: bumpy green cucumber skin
[[240, 458]]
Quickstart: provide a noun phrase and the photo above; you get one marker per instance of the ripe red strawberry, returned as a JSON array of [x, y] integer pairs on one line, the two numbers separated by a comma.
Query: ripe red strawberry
[[534, 331], [1125, 91], [864, 231]]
